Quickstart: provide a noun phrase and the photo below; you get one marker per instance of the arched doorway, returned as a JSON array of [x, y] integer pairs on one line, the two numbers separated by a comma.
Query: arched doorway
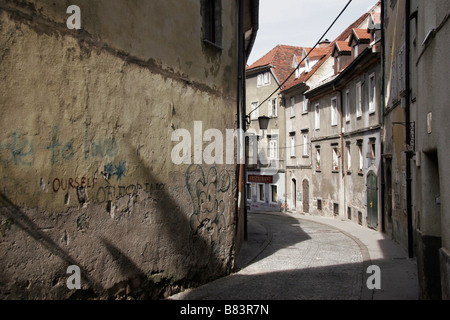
[[305, 196]]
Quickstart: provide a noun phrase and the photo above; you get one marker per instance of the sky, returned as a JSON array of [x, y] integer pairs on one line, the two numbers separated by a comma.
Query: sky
[[302, 22]]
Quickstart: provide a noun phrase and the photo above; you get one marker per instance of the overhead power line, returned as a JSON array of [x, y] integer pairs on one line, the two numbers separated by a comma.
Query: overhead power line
[[307, 55]]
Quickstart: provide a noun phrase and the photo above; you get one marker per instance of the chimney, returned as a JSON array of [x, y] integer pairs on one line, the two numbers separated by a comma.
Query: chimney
[[324, 43]]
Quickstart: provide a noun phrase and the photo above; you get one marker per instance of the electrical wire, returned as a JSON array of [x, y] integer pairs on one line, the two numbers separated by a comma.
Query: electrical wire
[[292, 73]]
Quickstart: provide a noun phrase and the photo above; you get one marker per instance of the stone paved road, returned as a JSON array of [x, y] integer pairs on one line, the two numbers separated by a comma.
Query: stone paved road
[[298, 259]]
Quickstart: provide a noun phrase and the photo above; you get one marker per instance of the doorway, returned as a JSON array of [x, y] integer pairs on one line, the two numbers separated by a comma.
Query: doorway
[[294, 194], [372, 200], [305, 196]]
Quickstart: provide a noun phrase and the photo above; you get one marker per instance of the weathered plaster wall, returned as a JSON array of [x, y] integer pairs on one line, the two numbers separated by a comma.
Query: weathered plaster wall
[[433, 210], [394, 116], [86, 176]]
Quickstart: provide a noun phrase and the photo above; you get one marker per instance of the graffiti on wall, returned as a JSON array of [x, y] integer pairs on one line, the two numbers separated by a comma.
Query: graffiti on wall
[[17, 151], [207, 194], [109, 193]]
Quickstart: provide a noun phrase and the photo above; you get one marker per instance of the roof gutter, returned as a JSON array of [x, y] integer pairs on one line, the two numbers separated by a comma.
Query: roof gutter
[[255, 27]]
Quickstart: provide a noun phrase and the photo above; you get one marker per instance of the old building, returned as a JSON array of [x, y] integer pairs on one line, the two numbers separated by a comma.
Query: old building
[[267, 148], [416, 121], [428, 50], [397, 216], [345, 127], [314, 66], [93, 99]]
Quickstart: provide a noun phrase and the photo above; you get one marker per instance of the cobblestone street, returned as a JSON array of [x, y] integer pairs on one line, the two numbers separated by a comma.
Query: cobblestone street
[[294, 257]]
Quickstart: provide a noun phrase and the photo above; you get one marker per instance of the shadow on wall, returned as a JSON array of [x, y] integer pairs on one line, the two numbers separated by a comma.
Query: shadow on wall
[[202, 242]]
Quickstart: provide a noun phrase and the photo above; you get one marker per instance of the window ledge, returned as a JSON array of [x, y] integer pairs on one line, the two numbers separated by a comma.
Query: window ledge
[[212, 44]]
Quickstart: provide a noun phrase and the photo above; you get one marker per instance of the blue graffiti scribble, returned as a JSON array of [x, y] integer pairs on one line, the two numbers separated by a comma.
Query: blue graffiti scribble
[[108, 170], [121, 169], [111, 169]]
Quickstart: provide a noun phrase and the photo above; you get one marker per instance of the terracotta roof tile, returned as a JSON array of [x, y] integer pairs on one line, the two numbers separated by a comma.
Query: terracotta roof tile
[[344, 36], [361, 34], [343, 39], [280, 59], [320, 54], [343, 46]]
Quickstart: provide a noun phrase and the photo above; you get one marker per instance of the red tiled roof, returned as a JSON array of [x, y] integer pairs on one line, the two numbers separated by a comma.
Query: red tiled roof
[[280, 59], [361, 34], [345, 36], [320, 54], [343, 46]]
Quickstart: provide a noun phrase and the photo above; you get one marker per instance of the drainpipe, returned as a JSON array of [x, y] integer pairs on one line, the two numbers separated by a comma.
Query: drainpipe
[[241, 212], [342, 150], [408, 130], [382, 102], [341, 136]]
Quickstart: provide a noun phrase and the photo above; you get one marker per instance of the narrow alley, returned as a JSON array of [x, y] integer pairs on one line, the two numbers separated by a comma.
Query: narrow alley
[[296, 257]]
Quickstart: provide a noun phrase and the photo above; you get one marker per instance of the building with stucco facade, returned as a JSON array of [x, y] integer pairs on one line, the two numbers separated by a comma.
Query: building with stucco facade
[[87, 177]]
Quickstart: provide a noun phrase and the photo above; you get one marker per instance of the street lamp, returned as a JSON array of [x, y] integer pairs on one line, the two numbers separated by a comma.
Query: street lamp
[[263, 122]]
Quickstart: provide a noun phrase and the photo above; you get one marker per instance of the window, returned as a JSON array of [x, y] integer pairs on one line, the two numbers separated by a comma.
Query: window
[[251, 142], [297, 72], [317, 117], [336, 209], [255, 111], [305, 105], [266, 79], [372, 93], [273, 149], [249, 191], [360, 155], [273, 109], [356, 50], [358, 100], [334, 113], [212, 22], [292, 107], [317, 158], [263, 79], [261, 194], [274, 192], [305, 144], [335, 159], [372, 151], [319, 204], [307, 65], [363, 96], [349, 158], [292, 141], [347, 106]]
